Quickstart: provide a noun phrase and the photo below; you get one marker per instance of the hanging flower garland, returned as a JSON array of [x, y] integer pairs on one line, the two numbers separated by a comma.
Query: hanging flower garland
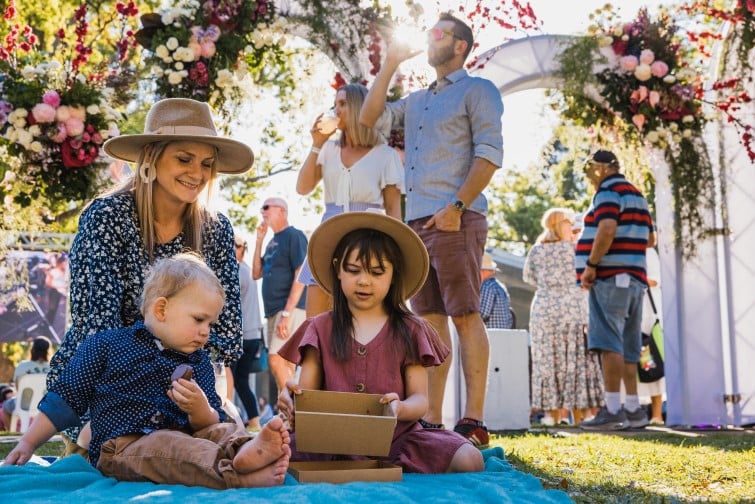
[[637, 79], [55, 112], [212, 50]]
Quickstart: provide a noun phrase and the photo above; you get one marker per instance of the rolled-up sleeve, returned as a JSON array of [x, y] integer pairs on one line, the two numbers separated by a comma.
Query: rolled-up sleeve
[[485, 113], [58, 411]]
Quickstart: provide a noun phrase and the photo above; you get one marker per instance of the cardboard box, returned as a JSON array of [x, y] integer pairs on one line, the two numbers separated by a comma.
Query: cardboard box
[[344, 471], [343, 423]]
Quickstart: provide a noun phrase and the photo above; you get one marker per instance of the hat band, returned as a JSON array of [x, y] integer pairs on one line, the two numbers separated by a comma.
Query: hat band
[[183, 130]]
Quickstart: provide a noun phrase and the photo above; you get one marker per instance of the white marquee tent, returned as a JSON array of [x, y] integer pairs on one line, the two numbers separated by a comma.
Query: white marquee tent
[[708, 304]]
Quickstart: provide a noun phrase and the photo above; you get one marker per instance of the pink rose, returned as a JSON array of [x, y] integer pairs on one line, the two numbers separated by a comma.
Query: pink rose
[[63, 113], [52, 98], [646, 56], [43, 113], [74, 126], [628, 63], [655, 97], [79, 113], [639, 121], [642, 72], [659, 69], [60, 133]]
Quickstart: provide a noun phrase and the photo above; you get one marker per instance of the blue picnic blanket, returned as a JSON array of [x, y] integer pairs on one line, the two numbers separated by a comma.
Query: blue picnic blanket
[[73, 480]]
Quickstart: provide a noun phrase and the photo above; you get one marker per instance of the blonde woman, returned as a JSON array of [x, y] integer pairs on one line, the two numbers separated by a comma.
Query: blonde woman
[[155, 213], [564, 374], [358, 170]]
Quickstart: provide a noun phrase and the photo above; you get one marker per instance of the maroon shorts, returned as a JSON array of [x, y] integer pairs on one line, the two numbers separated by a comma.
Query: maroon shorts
[[453, 283]]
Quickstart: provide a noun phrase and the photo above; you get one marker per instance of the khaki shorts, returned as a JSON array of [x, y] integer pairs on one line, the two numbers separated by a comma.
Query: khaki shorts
[[274, 343]]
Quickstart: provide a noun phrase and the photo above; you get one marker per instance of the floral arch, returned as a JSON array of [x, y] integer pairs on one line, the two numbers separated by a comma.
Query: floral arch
[[707, 305]]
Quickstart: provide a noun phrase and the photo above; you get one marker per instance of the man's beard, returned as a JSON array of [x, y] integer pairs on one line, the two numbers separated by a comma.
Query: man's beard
[[440, 56]]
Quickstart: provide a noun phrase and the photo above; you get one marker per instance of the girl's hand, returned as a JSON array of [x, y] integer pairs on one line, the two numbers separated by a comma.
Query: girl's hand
[[286, 401], [392, 400], [188, 396]]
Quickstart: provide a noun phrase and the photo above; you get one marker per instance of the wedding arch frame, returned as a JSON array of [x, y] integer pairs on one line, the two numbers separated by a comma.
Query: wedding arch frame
[[708, 305]]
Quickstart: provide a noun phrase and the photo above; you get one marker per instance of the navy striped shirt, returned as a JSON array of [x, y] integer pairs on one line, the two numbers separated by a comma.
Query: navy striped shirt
[[619, 200]]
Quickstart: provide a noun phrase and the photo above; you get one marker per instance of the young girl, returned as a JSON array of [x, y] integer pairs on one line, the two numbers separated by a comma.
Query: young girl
[[370, 342]]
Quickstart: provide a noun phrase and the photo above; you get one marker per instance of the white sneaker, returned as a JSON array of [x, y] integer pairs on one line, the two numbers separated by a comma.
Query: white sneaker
[[547, 420]]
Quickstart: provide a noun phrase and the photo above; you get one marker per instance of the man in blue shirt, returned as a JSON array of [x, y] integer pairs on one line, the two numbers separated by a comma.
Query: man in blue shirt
[[453, 147], [282, 295]]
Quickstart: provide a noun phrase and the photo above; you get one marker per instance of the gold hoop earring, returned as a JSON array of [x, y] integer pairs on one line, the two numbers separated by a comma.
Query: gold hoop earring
[[146, 173]]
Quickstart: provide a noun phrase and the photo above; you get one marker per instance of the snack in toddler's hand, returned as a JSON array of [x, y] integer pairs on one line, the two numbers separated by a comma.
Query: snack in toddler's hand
[[182, 371]]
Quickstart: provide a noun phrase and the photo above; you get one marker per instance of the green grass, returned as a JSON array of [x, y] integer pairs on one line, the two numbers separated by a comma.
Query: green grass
[[642, 468], [605, 468]]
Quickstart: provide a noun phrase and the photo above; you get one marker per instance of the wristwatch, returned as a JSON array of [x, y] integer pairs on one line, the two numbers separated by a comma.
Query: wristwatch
[[592, 265], [285, 313], [458, 205]]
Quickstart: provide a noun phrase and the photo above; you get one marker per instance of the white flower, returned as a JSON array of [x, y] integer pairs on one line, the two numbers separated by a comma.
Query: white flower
[[676, 138], [29, 73], [176, 77], [24, 138], [10, 177], [162, 52], [81, 78], [669, 79], [652, 137], [248, 49], [172, 43], [625, 38], [93, 109], [688, 119], [605, 41], [36, 146], [179, 65], [184, 54], [673, 127], [158, 71], [224, 79], [35, 130], [687, 133], [643, 72]]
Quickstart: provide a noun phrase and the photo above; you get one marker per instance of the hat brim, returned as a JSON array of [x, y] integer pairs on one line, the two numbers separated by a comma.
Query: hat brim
[[234, 157], [322, 246]]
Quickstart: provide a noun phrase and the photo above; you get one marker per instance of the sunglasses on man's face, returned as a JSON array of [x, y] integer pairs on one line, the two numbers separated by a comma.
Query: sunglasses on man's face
[[438, 34], [267, 206]]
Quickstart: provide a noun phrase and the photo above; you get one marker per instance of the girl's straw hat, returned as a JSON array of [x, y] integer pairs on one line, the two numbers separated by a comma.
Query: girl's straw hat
[[322, 246], [182, 119]]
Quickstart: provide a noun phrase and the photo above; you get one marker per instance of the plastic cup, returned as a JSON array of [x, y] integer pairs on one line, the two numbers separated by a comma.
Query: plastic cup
[[328, 123]]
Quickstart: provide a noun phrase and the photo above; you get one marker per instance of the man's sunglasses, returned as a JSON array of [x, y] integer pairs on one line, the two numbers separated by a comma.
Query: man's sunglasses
[[267, 206], [438, 34]]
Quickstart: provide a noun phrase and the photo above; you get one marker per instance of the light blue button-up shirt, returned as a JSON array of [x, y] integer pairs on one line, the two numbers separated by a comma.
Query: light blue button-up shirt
[[446, 126]]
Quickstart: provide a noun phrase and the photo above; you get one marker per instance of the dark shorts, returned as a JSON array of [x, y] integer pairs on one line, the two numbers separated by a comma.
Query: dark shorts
[[453, 282]]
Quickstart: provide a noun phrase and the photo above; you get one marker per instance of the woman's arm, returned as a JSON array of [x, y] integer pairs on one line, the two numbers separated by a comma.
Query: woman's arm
[[310, 173], [392, 201]]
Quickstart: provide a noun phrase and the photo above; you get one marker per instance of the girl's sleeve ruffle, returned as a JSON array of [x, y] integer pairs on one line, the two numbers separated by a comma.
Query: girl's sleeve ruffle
[[431, 350]]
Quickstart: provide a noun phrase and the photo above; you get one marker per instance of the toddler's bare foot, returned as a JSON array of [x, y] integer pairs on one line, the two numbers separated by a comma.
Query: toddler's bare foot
[[271, 475], [268, 446]]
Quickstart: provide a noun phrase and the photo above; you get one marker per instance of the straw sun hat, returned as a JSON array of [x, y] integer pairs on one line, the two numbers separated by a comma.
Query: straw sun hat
[[182, 119], [322, 246]]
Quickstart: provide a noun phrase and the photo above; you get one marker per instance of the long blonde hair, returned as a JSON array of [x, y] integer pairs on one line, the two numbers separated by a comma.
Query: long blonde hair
[[195, 216], [550, 222], [359, 135]]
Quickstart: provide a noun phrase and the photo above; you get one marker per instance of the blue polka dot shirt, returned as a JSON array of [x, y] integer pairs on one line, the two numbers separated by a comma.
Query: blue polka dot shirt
[[122, 376]]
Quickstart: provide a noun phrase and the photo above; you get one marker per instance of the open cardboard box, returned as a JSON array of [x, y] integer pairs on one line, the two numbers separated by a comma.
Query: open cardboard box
[[343, 423]]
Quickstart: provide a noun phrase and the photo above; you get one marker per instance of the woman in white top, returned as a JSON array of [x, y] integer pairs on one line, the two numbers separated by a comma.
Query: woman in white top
[[359, 171]]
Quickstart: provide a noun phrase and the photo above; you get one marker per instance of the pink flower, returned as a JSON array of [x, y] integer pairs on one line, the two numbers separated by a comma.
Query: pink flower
[[51, 98], [43, 113], [655, 97], [74, 126], [60, 134], [639, 121], [659, 69], [628, 63], [79, 113], [751, 5], [646, 56], [63, 113], [642, 72], [639, 95]]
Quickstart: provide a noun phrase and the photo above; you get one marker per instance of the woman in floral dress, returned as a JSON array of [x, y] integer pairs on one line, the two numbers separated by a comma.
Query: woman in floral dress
[[564, 374], [155, 213]]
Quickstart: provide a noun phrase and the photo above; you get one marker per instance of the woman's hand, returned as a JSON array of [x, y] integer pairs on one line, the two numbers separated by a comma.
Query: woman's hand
[[318, 137]]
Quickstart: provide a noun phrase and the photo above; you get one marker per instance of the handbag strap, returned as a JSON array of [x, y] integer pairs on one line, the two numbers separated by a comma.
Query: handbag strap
[[652, 303], [262, 337]]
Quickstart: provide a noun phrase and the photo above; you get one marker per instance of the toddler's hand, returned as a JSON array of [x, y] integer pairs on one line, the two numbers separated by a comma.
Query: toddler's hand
[[188, 396]]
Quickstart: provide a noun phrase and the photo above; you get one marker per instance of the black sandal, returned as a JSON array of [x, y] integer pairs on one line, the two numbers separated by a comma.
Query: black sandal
[[428, 425]]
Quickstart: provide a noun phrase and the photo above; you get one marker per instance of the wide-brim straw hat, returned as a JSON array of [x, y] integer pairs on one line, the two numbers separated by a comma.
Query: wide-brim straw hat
[[488, 263], [182, 119], [322, 246]]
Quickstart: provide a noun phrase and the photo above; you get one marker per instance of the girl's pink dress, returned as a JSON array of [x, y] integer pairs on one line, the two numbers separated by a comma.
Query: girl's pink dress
[[378, 368]]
